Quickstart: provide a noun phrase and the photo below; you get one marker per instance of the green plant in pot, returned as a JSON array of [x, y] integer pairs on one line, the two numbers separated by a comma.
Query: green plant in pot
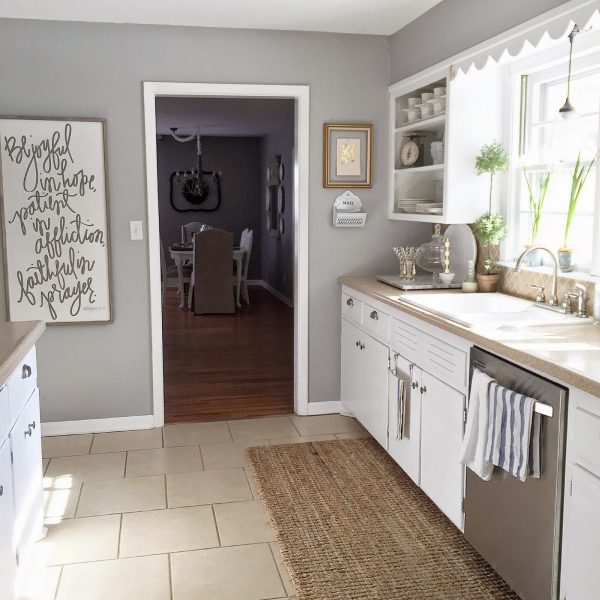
[[578, 179], [490, 228], [536, 204]]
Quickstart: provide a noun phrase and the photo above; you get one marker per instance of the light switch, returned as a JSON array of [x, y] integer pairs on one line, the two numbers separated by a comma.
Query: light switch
[[135, 230]]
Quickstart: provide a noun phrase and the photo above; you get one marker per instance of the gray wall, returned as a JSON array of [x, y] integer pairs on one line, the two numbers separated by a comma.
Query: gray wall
[[277, 254], [97, 70], [456, 25], [239, 159]]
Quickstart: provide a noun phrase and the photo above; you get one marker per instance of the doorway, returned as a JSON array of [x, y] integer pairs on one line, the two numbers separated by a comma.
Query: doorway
[[300, 97]]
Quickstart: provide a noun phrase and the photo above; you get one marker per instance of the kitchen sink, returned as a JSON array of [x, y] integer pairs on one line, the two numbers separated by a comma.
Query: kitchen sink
[[489, 310]]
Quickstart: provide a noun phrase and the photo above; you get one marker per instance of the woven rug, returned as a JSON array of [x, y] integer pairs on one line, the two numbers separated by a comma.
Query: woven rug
[[351, 525]]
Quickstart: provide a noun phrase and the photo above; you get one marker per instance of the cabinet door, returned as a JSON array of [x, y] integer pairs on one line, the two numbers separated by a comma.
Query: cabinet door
[[8, 562], [350, 376], [442, 475], [406, 451], [26, 447], [372, 407], [581, 551]]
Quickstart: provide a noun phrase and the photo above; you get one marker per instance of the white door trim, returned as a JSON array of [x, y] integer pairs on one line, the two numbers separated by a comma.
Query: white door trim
[[300, 94]]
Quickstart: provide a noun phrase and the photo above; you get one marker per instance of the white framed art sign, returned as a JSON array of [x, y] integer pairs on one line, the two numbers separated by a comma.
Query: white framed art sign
[[54, 198]]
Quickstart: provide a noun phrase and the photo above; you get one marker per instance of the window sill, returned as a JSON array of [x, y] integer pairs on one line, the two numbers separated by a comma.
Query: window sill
[[577, 275]]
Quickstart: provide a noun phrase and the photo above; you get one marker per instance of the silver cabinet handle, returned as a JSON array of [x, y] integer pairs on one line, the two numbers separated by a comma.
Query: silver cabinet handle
[[423, 389], [31, 425], [350, 302], [414, 385], [28, 432], [357, 344], [1, 490], [26, 373], [374, 315]]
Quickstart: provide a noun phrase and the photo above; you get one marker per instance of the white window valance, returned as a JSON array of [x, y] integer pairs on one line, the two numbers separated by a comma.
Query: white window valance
[[540, 32]]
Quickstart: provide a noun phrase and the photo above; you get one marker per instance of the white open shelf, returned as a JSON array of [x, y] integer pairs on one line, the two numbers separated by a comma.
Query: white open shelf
[[432, 124], [422, 169]]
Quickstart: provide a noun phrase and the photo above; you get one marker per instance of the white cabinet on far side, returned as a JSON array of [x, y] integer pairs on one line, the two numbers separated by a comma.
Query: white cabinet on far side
[[8, 562]]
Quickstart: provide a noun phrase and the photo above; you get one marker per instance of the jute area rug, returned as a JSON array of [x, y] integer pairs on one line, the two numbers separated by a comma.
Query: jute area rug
[[351, 525]]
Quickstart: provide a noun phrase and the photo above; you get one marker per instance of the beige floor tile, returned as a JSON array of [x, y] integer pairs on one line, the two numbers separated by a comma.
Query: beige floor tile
[[262, 429], [234, 573], [143, 578], [160, 461], [45, 462], [88, 467], [207, 487], [227, 456], [189, 434], [38, 582], [60, 497], [121, 495], [252, 483], [320, 424], [119, 441], [303, 439], [66, 445], [243, 523], [171, 530], [353, 436], [83, 540], [285, 576]]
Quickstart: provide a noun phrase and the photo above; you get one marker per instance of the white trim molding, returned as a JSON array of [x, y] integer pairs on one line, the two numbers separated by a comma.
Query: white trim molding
[[324, 408], [272, 291], [300, 94], [97, 425]]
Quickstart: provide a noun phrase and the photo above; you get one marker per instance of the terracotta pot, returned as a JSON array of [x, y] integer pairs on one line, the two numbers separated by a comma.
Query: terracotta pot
[[488, 283]]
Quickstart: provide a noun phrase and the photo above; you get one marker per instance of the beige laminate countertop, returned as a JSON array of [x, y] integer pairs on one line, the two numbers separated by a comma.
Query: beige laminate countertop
[[569, 353], [16, 339]]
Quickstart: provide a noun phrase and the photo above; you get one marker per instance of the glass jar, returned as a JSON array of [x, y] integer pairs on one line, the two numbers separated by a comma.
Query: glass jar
[[431, 257]]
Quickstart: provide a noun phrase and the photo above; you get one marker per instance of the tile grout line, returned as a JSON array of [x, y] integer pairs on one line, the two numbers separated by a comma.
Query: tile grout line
[[201, 458], [119, 537], [60, 574], [293, 425], [278, 569], [212, 506], [170, 567]]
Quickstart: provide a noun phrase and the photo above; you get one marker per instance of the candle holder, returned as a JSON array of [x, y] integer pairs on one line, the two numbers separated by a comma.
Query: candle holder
[[407, 257]]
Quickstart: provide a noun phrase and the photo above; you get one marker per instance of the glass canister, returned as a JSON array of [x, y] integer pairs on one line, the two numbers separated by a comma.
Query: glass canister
[[431, 257]]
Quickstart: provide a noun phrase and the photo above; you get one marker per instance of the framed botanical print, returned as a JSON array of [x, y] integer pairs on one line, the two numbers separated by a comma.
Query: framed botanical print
[[54, 201], [347, 155]]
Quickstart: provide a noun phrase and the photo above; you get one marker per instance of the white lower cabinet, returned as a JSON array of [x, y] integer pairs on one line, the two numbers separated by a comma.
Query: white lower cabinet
[[405, 446], [8, 559], [442, 475], [364, 380]]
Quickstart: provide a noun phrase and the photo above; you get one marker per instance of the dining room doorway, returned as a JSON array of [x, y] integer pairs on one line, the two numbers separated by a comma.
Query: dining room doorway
[[250, 361]]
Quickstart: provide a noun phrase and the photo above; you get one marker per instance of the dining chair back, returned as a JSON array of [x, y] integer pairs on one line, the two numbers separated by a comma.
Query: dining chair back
[[189, 229], [168, 275], [246, 244], [213, 270]]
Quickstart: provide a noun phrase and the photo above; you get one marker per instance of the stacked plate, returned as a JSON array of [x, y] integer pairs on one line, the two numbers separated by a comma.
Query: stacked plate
[[407, 206], [429, 208]]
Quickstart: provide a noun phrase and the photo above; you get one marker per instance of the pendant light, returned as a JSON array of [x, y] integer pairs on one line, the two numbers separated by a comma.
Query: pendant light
[[567, 138]]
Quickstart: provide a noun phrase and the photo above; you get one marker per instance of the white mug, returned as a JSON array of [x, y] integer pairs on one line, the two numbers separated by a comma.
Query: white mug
[[438, 92]]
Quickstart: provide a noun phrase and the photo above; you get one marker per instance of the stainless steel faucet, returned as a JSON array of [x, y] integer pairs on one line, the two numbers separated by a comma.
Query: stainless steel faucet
[[580, 294], [553, 299]]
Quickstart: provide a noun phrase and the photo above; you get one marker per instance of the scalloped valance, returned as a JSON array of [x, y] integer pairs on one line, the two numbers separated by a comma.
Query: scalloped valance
[[543, 31]]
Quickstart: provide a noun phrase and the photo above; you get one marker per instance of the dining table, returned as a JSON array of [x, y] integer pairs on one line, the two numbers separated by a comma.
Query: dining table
[[181, 256]]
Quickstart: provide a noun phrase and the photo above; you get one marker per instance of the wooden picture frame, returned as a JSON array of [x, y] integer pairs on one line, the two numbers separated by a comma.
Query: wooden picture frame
[[55, 219], [347, 155]]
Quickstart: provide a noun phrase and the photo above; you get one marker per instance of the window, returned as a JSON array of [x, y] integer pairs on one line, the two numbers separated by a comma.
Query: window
[[542, 92]]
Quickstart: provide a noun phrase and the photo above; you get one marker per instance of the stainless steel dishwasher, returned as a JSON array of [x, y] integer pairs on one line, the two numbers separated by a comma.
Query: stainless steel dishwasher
[[516, 525]]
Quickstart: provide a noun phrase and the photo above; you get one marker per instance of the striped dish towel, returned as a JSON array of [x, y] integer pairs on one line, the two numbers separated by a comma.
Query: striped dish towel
[[514, 432]]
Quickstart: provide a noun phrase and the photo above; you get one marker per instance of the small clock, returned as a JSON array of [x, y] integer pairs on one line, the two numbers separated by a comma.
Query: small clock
[[411, 153]]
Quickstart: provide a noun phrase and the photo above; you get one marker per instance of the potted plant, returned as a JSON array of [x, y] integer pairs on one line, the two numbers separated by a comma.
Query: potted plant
[[578, 179], [536, 205], [490, 229]]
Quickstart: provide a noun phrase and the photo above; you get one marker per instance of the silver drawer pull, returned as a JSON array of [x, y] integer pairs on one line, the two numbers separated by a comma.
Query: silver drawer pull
[[26, 373], [350, 302], [1, 490], [414, 385], [28, 432], [31, 425], [374, 315], [423, 389]]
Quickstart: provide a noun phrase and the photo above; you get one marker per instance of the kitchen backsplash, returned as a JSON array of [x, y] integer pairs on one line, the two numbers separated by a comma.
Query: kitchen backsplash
[[519, 284]]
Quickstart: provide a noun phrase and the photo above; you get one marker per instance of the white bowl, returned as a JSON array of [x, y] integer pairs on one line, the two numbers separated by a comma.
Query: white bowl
[[426, 110], [412, 114], [438, 92]]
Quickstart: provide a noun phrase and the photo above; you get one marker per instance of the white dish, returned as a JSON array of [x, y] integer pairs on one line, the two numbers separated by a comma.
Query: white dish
[[463, 247], [430, 208]]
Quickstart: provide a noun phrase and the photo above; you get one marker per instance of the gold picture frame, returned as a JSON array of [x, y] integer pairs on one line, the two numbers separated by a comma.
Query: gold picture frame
[[347, 155]]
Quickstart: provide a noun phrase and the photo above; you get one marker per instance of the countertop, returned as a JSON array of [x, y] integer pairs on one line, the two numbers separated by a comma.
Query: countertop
[[16, 339], [569, 353]]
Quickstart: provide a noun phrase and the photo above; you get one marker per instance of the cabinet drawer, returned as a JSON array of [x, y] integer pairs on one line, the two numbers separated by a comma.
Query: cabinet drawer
[[22, 383], [352, 308], [26, 446], [4, 414], [375, 321], [445, 361], [404, 339], [586, 444]]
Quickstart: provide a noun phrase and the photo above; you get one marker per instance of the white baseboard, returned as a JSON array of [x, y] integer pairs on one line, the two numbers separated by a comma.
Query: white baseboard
[[272, 291], [97, 425], [324, 408]]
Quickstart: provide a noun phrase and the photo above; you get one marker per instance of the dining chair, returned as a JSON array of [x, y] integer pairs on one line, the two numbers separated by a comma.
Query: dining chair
[[189, 229], [246, 240], [210, 288], [168, 274]]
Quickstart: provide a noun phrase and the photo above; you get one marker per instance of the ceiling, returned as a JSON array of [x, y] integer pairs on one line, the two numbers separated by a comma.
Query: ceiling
[[236, 117], [381, 17]]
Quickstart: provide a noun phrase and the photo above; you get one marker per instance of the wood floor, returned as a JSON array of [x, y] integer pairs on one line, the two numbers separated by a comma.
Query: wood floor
[[220, 367]]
